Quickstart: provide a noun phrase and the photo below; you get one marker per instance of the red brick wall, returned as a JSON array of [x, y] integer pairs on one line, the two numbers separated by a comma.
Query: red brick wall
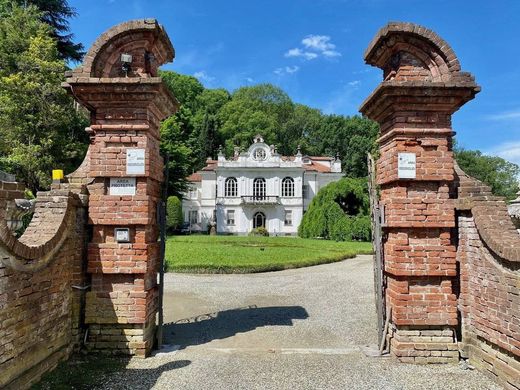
[[489, 256], [40, 310]]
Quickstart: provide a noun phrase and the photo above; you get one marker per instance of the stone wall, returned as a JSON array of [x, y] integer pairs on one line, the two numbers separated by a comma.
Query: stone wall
[[40, 310], [489, 302]]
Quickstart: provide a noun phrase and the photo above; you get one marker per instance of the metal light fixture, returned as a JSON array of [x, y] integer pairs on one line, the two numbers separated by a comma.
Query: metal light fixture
[[126, 60]]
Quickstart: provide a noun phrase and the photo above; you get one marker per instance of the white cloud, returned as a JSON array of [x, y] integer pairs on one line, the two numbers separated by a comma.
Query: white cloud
[[297, 52], [507, 115], [286, 70], [318, 42], [331, 53], [354, 83], [292, 69], [203, 76], [314, 46], [250, 80], [507, 150]]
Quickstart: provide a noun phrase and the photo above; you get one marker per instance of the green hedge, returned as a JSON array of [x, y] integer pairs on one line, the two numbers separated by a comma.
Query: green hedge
[[174, 216], [340, 212]]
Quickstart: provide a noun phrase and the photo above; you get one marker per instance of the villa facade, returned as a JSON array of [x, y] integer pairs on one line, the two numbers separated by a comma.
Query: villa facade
[[256, 188]]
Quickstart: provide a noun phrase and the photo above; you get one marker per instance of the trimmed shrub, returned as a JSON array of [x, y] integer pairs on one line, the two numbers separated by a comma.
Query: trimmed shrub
[[340, 212], [174, 216], [259, 231]]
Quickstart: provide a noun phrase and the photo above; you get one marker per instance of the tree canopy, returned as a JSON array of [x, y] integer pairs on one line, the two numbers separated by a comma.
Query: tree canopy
[[56, 14], [39, 126], [501, 175]]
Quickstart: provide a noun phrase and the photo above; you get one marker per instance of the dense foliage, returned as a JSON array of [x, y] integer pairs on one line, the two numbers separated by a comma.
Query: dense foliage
[[501, 175], [39, 126], [340, 212], [56, 14], [174, 216]]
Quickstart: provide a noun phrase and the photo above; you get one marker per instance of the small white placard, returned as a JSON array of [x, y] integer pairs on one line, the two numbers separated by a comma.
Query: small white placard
[[134, 161], [122, 234], [406, 166], [122, 186]]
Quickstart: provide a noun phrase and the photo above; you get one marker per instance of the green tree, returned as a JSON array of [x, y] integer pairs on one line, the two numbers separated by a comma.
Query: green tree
[[206, 123], [501, 175], [296, 130], [40, 129], [351, 137], [180, 155], [174, 216], [339, 212], [262, 109], [56, 14]]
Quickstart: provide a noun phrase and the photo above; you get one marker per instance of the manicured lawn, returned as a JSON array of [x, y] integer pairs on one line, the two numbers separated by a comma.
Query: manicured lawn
[[231, 254]]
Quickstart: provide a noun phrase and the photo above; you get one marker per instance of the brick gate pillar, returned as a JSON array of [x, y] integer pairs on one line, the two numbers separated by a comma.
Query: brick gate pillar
[[423, 86], [118, 84]]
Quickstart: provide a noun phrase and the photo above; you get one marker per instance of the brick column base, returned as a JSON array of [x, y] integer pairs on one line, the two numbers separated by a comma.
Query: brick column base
[[423, 345]]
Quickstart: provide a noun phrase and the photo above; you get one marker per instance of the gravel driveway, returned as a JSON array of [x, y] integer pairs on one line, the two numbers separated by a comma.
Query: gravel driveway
[[294, 329]]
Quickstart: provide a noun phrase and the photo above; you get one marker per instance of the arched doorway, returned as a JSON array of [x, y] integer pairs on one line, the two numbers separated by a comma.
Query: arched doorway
[[259, 220]]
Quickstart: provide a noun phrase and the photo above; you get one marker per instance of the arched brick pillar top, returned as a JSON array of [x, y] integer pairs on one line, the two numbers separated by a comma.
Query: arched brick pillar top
[[145, 39], [409, 52]]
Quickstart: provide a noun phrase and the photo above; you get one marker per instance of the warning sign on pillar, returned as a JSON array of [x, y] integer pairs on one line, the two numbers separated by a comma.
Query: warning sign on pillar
[[122, 186], [135, 161], [406, 166]]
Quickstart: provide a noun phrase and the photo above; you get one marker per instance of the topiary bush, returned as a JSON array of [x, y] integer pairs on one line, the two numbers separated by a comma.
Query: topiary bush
[[259, 231], [340, 212], [174, 216]]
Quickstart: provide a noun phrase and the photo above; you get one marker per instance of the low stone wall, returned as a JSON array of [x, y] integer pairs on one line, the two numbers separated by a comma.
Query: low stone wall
[[40, 310], [489, 302]]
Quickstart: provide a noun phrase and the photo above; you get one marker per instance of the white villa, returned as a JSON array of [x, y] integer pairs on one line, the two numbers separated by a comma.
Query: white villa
[[257, 188]]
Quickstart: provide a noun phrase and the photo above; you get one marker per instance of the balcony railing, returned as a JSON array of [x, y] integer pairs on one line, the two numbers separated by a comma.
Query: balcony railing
[[260, 200]]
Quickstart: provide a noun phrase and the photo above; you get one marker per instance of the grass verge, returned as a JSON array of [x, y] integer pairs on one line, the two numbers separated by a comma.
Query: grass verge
[[232, 254]]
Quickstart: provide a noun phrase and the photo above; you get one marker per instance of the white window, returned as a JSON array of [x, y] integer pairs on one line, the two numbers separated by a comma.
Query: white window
[[259, 188], [288, 186], [230, 187], [194, 216], [230, 220], [288, 217]]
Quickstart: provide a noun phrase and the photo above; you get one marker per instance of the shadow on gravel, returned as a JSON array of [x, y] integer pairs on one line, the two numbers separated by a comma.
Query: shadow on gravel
[[103, 372], [220, 325]]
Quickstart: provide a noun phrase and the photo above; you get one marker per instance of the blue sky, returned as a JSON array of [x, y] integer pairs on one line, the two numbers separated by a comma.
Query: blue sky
[[313, 49]]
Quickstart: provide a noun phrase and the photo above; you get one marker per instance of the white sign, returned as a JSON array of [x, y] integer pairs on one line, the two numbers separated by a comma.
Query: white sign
[[406, 166], [122, 186], [135, 161], [122, 234]]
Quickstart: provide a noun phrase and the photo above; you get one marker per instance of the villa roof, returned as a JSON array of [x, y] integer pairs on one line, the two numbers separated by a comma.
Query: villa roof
[[194, 177], [211, 165], [317, 167]]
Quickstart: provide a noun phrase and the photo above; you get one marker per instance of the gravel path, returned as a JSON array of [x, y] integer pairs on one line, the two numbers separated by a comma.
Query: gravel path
[[294, 329]]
